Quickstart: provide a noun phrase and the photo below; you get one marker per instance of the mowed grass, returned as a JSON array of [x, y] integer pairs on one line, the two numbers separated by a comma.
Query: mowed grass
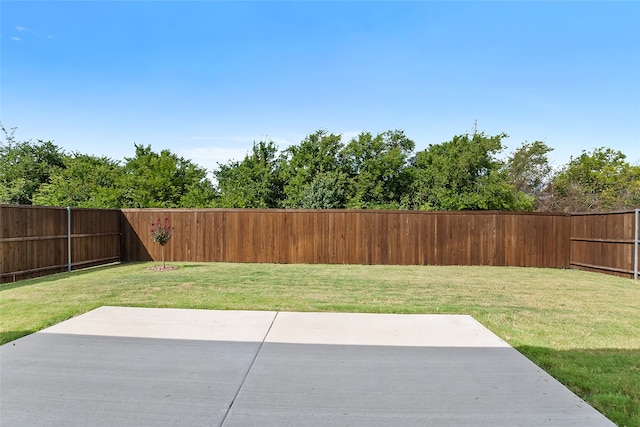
[[583, 328]]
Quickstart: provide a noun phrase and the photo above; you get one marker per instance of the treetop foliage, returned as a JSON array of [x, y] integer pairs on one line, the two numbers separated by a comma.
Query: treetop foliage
[[598, 181], [25, 166], [370, 171]]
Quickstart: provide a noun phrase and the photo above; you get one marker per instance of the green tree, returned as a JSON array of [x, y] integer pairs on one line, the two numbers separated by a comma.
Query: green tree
[[25, 166], [464, 174], [378, 169], [199, 194], [328, 190], [253, 182], [530, 172], [84, 181], [318, 153], [596, 181], [163, 179]]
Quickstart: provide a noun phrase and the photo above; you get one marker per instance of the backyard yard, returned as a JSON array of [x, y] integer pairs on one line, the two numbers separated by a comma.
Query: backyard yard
[[582, 328]]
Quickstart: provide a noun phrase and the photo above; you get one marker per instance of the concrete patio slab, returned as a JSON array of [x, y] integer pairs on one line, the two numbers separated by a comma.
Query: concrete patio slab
[[133, 366], [431, 330], [398, 370], [170, 323], [118, 366], [84, 380]]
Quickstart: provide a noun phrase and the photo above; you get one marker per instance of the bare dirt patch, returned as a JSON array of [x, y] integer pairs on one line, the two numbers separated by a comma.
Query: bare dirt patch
[[161, 268]]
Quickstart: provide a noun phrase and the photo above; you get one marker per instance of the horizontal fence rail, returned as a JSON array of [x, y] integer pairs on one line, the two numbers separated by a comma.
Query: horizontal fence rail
[[36, 241], [352, 237]]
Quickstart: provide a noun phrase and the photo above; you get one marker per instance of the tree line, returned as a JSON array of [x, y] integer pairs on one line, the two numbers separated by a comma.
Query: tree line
[[380, 171]]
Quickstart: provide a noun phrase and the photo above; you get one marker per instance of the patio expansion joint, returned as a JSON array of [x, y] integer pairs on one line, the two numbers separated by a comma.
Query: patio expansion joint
[[264, 338]]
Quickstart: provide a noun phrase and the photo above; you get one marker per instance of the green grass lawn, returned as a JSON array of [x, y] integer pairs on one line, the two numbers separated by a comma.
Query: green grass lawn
[[583, 328]]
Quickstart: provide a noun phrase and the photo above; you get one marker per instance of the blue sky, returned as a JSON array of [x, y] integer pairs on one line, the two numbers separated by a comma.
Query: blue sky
[[206, 79]]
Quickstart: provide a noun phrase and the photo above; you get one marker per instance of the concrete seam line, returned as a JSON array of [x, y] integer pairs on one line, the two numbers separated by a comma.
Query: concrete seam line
[[224, 418]]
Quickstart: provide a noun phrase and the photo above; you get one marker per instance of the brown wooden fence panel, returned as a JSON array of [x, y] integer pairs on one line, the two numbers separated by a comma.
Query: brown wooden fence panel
[[352, 237], [95, 236], [603, 242], [33, 240]]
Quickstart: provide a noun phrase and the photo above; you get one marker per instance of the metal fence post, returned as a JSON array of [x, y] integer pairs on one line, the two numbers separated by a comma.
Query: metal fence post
[[69, 238], [635, 246]]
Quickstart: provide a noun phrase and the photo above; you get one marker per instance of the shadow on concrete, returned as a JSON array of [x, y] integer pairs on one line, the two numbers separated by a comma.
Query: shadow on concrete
[[58, 378], [8, 336]]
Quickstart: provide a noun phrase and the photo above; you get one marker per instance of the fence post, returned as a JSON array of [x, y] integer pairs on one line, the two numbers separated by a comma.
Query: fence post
[[69, 238], [635, 246]]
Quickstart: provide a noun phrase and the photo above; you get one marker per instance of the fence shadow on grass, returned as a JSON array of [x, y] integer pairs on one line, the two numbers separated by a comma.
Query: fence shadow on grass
[[51, 278], [608, 379]]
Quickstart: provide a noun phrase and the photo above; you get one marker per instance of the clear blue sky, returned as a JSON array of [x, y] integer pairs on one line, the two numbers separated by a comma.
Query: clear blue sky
[[205, 79]]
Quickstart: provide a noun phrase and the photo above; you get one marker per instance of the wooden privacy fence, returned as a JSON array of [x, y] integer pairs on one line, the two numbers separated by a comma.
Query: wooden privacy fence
[[35, 241], [352, 237], [606, 242]]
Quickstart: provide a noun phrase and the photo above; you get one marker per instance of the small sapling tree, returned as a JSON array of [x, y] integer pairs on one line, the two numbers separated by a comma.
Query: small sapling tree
[[161, 233]]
